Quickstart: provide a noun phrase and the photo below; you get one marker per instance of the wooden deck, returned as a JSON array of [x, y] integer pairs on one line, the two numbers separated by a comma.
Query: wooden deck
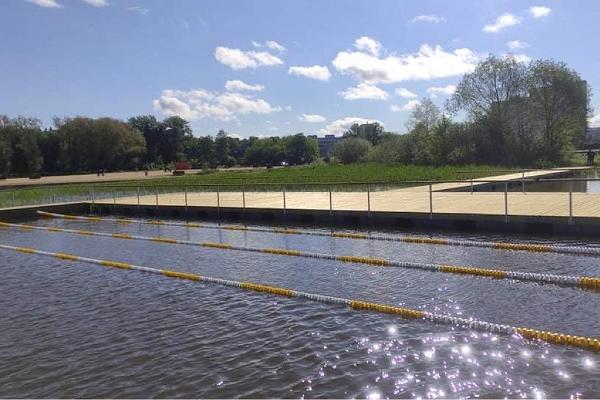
[[484, 203], [405, 200], [516, 176]]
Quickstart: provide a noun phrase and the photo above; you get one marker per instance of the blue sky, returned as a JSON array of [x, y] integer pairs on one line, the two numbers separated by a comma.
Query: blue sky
[[293, 66]]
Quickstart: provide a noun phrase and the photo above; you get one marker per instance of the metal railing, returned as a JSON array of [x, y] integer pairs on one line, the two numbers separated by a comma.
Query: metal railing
[[432, 197]]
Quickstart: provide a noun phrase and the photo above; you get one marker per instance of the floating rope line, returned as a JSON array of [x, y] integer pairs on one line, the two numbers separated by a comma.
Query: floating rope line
[[584, 282], [532, 247], [588, 343]]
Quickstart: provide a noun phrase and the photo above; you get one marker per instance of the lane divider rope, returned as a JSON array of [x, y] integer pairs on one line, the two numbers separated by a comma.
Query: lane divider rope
[[584, 282], [531, 247], [588, 343]]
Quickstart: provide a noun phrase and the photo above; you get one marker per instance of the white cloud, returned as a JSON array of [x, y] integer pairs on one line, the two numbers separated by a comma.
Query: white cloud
[[273, 45], [503, 21], [96, 3], [200, 103], [139, 10], [521, 58], [368, 45], [46, 3], [429, 18], [441, 91], [594, 122], [428, 63], [364, 91], [517, 44], [239, 59], [407, 94], [406, 107], [238, 86], [539, 11], [318, 72], [312, 118], [341, 126]]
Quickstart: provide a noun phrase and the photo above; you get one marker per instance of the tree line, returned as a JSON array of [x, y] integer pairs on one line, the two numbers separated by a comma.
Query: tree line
[[513, 114], [83, 144], [509, 114]]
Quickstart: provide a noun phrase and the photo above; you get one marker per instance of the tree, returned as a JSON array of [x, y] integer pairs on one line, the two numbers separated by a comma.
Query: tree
[[424, 116], [268, 151], [373, 132], [5, 153], [90, 144], [200, 150], [299, 149], [172, 133], [559, 104], [352, 149], [151, 129], [20, 135], [221, 147], [486, 95]]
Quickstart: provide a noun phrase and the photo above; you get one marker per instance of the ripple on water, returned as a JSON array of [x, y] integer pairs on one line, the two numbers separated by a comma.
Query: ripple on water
[[77, 330]]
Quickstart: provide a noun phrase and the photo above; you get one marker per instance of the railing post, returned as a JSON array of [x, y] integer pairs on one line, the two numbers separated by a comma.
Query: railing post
[[505, 202], [185, 198], [244, 199], [93, 196], [430, 202], [368, 200], [330, 202], [218, 201], [471, 185], [570, 207], [156, 195], [13, 199], [138, 195], [284, 203], [114, 198], [523, 182]]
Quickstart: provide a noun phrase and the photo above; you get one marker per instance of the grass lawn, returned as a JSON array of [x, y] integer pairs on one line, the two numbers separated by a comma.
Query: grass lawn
[[359, 173], [254, 179]]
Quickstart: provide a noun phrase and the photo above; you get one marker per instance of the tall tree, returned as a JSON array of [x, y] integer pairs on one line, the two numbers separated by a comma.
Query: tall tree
[[560, 104], [172, 133], [371, 131], [151, 129], [222, 147], [299, 149], [424, 116], [486, 95]]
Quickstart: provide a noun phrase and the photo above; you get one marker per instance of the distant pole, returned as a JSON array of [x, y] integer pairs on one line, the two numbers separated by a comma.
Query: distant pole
[[114, 198], [156, 195], [368, 200], [571, 207], [430, 202], [93, 196], [471, 185], [523, 182], [138, 195], [505, 202], [14, 201]]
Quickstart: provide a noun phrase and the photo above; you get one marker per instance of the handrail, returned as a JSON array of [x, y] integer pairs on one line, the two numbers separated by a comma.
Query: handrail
[[84, 186]]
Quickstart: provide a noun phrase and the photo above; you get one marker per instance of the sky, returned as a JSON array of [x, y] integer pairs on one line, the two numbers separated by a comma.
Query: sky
[[272, 67]]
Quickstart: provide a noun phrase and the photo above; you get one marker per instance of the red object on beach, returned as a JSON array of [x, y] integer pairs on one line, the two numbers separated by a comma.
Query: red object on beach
[[183, 165]]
